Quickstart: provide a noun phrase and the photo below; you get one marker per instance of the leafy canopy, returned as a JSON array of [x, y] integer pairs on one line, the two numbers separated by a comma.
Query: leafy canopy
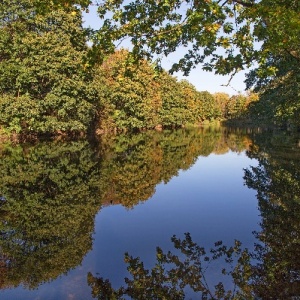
[[218, 33], [221, 34]]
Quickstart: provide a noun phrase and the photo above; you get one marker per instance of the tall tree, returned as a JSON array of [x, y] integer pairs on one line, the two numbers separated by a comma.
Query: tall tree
[[43, 72], [128, 97]]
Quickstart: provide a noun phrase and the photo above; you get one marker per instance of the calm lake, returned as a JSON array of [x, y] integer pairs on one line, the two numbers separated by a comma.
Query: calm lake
[[69, 211]]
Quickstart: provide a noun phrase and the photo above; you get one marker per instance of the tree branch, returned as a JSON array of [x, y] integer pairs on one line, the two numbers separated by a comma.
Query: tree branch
[[243, 3]]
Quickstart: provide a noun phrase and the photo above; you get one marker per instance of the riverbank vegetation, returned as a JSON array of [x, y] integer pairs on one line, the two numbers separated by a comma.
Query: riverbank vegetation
[[54, 83]]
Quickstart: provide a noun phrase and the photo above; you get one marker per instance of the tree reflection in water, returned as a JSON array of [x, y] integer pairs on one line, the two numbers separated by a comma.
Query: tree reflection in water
[[277, 182], [47, 219], [271, 271], [173, 273], [132, 165], [51, 192]]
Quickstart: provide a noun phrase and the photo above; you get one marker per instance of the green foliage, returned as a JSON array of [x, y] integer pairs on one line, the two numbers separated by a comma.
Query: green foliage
[[44, 6], [279, 94], [137, 97], [209, 108], [221, 100], [237, 107], [44, 80], [223, 36], [128, 96], [47, 85], [18, 112], [205, 27], [174, 110]]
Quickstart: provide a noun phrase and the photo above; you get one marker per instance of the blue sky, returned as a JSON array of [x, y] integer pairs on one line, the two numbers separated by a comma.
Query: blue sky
[[203, 81]]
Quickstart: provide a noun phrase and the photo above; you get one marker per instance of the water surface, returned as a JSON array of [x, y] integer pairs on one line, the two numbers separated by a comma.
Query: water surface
[[73, 209]]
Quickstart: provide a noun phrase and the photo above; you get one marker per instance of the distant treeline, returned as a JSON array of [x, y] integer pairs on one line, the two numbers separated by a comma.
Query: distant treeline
[[137, 96]]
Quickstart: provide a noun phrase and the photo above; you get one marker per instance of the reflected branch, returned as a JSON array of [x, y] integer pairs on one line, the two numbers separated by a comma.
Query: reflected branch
[[173, 273]]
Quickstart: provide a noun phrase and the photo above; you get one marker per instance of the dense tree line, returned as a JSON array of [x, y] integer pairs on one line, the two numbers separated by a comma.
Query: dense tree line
[[135, 97], [52, 82], [260, 34], [44, 82]]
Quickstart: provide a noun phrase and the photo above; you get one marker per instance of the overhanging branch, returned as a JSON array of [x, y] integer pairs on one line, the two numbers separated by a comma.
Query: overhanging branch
[[243, 3]]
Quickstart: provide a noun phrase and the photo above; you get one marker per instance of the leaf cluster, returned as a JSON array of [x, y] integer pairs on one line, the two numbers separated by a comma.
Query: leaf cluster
[[220, 35]]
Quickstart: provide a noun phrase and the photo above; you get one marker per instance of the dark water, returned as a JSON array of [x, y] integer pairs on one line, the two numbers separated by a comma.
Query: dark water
[[69, 211]]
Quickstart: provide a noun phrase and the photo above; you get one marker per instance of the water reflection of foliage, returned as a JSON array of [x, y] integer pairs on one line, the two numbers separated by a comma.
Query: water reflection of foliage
[[172, 273], [277, 181], [51, 192], [133, 164], [47, 218], [271, 271]]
